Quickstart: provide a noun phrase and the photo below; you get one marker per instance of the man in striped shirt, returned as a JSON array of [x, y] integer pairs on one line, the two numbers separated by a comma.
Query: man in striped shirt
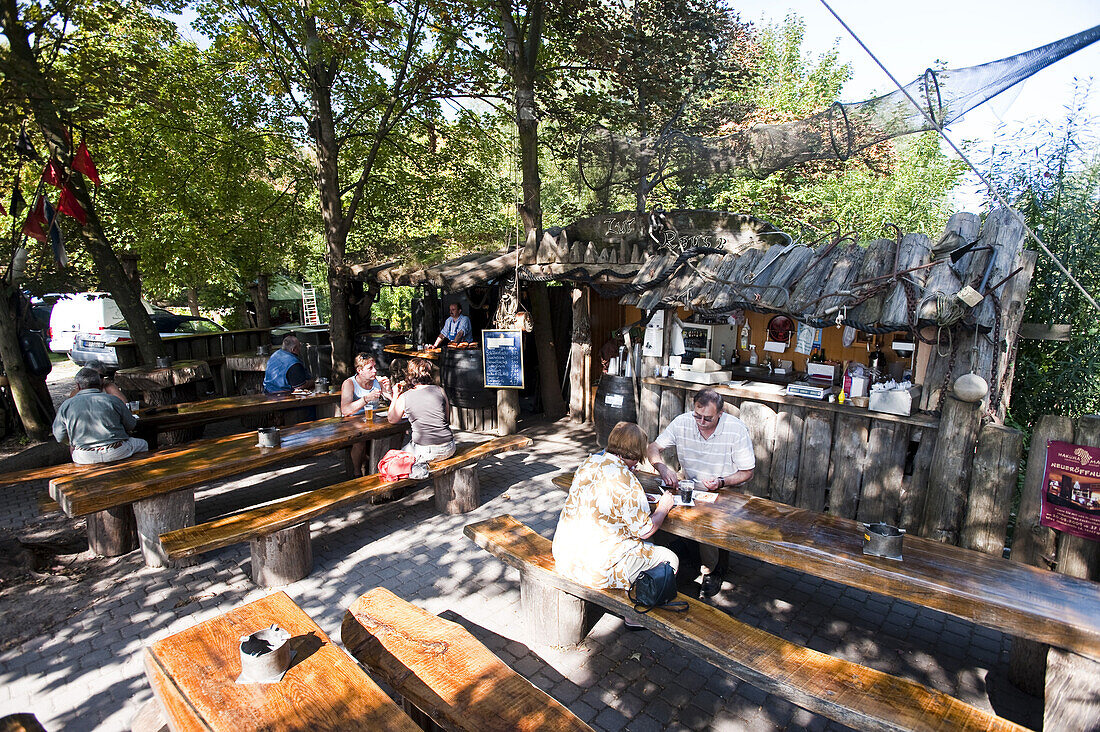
[[714, 450]]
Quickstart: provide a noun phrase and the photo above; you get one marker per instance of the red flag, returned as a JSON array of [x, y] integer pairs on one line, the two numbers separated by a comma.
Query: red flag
[[35, 226], [69, 206], [52, 175], [82, 162]]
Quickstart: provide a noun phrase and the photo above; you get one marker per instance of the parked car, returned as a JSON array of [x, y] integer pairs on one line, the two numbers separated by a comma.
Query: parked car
[[92, 346], [82, 312]]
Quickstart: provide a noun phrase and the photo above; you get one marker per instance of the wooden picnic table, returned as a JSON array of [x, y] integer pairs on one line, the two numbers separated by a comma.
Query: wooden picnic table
[[161, 486], [164, 385], [193, 674], [1015, 598], [152, 420]]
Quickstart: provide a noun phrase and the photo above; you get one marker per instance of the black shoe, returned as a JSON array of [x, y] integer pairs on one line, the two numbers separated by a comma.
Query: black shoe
[[712, 585]]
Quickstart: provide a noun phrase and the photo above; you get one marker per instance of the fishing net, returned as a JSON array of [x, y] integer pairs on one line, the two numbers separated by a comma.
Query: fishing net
[[607, 159]]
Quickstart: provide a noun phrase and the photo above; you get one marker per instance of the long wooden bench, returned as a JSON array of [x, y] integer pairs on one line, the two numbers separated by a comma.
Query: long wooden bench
[[562, 611], [444, 672], [279, 531]]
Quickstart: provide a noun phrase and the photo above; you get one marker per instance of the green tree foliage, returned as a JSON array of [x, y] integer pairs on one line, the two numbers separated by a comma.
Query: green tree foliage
[[1051, 174]]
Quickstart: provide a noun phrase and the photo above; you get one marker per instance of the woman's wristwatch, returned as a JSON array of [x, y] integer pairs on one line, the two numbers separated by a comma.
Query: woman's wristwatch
[[722, 482]]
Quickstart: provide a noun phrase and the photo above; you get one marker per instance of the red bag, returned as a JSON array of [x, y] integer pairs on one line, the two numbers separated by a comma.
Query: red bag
[[395, 464]]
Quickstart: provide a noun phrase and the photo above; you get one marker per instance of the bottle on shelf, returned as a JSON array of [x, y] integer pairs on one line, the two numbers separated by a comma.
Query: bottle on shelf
[[745, 336]]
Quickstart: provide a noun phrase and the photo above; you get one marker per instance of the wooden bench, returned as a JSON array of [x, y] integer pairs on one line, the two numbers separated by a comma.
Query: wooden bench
[[147, 495], [444, 672], [561, 611], [279, 531]]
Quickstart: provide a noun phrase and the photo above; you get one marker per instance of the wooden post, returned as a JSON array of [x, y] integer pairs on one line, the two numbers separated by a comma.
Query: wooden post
[[561, 618], [113, 532], [159, 515], [1073, 681], [949, 476], [993, 480], [580, 346], [457, 492], [507, 411], [553, 406], [881, 496], [813, 464], [849, 456], [1033, 544], [759, 418], [282, 557], [785, 457]]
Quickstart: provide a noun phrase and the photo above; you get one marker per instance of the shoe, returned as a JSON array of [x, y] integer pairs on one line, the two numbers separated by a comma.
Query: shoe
[[712, 585], [631, 625]]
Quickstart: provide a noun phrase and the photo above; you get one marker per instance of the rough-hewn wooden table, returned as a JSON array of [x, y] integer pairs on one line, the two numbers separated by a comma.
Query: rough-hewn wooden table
[[1015, 598], [160, 386], [246, 370], [175, 416], [193, 674], [161, 487]]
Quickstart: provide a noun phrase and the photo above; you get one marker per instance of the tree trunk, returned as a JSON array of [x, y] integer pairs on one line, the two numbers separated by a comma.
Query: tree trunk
[[263, 305], [21, 67], [23, 393], [193, 301]]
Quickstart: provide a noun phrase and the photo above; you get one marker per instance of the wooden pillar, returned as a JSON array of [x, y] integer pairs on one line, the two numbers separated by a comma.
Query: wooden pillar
[[561, 619], [458, 492], [1033, 544], [159, 515], [949, 476], [580, 347], [113, 532], [992, 483], [282, 557], [130, 267], [1072, 680]]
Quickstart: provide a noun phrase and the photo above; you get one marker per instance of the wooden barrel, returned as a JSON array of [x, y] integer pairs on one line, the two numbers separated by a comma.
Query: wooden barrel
[[463, 380], [614, 404]]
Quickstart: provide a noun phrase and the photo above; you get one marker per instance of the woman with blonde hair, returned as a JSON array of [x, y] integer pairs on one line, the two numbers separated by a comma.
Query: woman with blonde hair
[[428, 410], [361, 390], [600, 539]]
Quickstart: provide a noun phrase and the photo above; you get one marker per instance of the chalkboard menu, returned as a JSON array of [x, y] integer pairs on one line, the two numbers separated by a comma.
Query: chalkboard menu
[[502, 356]]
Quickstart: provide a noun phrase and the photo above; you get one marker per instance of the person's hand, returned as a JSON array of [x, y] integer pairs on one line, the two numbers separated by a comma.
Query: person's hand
[[666, 501], [667, 476], [712, 484], [372, 395], [385, 382]]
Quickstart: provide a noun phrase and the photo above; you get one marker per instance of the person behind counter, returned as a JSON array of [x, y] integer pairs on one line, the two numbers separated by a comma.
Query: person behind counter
[[714, 450], [601, 537], [428, 411], [285, 371], [456, 328], [360, 391]]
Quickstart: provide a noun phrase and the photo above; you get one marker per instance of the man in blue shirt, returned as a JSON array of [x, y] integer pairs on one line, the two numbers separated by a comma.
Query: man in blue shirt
[[284, 371], [456, 328], [96, 425]]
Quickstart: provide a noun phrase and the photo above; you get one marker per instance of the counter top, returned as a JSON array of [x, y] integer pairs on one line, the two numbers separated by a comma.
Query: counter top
[[765, 395]]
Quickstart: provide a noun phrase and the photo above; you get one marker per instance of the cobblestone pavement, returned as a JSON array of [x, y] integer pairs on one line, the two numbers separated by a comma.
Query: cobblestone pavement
[[87, 673]]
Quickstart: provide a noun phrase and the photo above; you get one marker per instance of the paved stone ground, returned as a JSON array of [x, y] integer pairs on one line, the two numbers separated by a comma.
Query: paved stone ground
[[86, 674]]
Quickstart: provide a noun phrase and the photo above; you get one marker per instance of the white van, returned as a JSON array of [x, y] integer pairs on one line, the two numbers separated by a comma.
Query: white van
[[82, 312]]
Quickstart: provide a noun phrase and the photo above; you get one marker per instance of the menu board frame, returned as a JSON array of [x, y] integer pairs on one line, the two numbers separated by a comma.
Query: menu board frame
[[494, 380]]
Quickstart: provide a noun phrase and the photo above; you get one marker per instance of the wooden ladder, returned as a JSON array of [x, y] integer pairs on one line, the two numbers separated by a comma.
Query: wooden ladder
[[309, 305]]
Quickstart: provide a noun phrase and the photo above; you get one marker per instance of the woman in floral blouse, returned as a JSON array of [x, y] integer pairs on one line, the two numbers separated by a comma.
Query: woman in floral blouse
[[600, 539]]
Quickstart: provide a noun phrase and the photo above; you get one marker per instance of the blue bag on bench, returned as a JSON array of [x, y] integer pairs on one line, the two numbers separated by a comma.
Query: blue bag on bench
[[655, 587]]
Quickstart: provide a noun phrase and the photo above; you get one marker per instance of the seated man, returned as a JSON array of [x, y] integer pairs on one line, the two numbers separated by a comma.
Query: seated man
[[285, 371], [96, 425], [714, 450], [456, 329]]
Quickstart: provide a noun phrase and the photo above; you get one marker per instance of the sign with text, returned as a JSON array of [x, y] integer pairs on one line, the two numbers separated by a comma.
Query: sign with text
[[1071, 490], [502, 358]]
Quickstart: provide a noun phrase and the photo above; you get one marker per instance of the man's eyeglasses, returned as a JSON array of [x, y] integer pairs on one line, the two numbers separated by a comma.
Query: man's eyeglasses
[[704, 420]]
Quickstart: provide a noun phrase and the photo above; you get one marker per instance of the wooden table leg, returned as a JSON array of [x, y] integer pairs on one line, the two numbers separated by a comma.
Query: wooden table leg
[[161, 514], [113, 532]]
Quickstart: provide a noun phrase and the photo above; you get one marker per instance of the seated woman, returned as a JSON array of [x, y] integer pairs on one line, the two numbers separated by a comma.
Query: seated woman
[[429, 413], [363, 389], [600, 539]]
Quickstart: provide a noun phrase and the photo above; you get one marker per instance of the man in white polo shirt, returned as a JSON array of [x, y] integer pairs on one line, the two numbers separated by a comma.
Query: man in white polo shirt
[[714, 450]]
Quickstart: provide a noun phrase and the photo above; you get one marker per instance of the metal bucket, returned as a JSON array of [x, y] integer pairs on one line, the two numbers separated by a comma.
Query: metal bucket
[[265, 656], [882, 540], [268, 437], [164, 362]]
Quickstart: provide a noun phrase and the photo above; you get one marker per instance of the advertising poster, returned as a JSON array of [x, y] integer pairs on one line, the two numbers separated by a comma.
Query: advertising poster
[[1071, 490]]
